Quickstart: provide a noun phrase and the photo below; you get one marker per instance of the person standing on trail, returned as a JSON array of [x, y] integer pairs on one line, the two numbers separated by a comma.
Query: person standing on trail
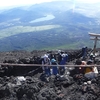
[[84, 53], [46, 69], [63, 62], [59, 57], [54, 69]]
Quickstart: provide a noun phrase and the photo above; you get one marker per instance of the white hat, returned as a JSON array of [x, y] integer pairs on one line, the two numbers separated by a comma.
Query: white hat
[[45, 56], [63, 55], [59, 51]]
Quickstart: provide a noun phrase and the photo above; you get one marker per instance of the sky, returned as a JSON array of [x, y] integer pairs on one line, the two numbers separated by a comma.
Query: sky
[[9, 3]]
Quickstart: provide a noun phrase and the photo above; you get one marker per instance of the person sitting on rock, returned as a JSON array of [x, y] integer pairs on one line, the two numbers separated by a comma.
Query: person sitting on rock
[[79, 70], [91, 71]]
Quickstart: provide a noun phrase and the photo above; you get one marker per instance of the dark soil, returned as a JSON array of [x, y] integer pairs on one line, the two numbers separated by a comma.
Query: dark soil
[[28, 83]]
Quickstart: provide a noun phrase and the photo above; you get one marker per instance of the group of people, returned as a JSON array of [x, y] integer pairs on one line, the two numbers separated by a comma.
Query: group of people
[[89, 71], [47, 63]]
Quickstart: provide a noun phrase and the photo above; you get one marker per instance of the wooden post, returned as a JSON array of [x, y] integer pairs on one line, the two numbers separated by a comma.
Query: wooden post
[[95, 38]]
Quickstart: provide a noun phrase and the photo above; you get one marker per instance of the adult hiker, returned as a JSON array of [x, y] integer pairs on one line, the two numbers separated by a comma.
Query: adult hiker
[[79, 69], [46, 69], [84, 53], [59, 57], [54, 69], [91, 71], [63, 62]]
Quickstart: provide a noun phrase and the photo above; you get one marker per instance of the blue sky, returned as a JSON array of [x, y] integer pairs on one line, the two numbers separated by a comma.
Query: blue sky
[[8, 3]]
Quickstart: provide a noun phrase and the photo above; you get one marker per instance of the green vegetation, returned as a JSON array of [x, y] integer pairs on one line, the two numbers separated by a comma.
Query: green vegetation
[[67, 30], [24, 29]]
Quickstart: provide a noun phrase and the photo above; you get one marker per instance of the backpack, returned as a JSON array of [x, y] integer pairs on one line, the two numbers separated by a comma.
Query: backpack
[[40, 60]]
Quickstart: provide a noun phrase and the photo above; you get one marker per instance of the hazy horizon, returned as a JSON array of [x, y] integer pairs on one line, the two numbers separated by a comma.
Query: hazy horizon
[[6, 4]]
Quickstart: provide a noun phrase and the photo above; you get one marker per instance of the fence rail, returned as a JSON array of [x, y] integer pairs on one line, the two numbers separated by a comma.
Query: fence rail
[[27, 65]]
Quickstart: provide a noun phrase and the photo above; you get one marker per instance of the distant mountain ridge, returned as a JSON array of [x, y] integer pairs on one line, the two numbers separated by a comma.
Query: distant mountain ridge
[[67, 30]]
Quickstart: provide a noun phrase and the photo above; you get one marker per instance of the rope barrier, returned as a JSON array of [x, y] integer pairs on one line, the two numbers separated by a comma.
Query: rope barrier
[[27, 65]]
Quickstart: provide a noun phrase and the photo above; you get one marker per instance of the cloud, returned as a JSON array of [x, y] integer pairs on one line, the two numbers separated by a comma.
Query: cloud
[[88, 1], [7, 3]]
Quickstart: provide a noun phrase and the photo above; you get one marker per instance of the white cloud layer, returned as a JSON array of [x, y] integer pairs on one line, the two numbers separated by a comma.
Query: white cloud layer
[[7, 3], [88, 1]]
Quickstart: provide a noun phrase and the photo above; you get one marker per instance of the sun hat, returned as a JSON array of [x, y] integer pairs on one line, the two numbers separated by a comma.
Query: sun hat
[[53, 60]]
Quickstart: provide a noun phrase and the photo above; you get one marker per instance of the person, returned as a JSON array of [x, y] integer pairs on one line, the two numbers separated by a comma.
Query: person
[[80, 69], [91, 71], [63, 62], [59, 56], [91, 56], [84, 53], [46, 69], [54, 69]]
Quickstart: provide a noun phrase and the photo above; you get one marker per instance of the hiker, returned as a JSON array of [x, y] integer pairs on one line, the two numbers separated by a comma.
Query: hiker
[[46, 69], [63, 62], [91, 71], [80, 70], [59, 57], [54, 69], [91, 56], [84, 53]]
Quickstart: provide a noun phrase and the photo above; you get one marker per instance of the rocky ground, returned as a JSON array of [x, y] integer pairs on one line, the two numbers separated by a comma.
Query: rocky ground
[[17, 83]]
